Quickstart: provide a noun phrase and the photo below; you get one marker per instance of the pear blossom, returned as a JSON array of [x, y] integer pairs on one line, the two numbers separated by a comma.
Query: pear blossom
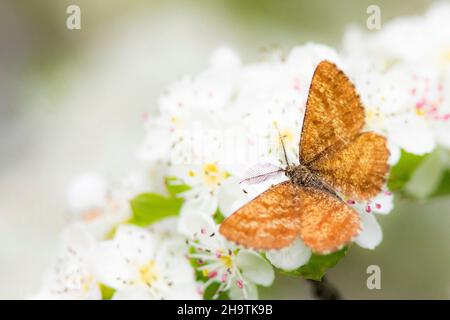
[[99, 205], [71, 277], [423, 60], [390, 108], [144, 264], [188, 102], [254, 107], [272, 100], [236, 270], [292, 257], [215, 132], [371, 234]]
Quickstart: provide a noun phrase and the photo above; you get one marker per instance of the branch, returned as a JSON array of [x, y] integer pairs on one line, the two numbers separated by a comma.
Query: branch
[[324, 290]]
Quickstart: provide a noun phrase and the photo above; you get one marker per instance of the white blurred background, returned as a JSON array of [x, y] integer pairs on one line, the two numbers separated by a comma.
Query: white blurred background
[[71, 102]]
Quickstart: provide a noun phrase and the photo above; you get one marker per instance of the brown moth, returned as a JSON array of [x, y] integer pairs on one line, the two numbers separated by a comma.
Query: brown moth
[[336, 158]]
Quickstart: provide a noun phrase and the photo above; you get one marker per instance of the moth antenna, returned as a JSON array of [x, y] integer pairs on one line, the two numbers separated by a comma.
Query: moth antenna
[[282, 144], [261, 175]]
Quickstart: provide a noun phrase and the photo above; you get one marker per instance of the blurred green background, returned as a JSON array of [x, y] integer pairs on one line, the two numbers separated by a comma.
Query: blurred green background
[[70, 102]]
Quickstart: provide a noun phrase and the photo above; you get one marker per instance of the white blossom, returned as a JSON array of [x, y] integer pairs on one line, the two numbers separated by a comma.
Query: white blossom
[[101, 206], [418, 49], [144, 264], [71, 277], [235, 269]]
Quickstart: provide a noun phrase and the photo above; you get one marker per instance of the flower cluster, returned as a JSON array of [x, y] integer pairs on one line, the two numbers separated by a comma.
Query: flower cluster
[[211, 130]]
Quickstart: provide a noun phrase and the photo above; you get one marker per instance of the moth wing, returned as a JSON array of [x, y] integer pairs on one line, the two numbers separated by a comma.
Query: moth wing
[[327, 223], [334, 113], [270, 221], [357, 169]]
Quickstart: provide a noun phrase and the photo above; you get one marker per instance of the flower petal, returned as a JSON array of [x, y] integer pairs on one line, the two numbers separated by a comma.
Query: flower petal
[[371, 234], [383, 203], [395, 153], [230, 192], [135, 244], [199, 199], [87, 192], [135, 293], [249, 291], [109, 267], [292, 257], [412, 134], [255, 268], [191, 223]]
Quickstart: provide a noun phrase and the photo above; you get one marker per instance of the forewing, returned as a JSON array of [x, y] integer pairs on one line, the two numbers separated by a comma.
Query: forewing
[[327, 223], [358, 169], [334, 113], [270, 221]]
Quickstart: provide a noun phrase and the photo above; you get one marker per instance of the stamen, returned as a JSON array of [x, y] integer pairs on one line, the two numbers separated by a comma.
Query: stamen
[[224, 278]]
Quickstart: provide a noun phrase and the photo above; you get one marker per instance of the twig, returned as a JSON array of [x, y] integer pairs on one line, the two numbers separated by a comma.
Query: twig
[[324, 290]]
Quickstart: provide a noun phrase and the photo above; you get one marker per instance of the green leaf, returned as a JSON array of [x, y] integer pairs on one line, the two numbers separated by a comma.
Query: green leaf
[[403, 170], [318, 265], [107, 292], [426, 177], [211, 291], [218, 216], [443, 188], [111, 233], [148, 208], [174, 186]]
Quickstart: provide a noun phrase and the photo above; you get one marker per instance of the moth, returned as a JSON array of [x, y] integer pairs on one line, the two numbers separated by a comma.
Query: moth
[[337, 160]]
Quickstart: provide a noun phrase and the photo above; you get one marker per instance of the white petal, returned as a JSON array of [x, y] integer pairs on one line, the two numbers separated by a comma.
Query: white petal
[[383, 203], [395, 153], [255, 268], [109, 267], [230, 192], [191, 222], [412, 134], [135, 244], [77, 237], [371, 234], [165, 226], [251, 291], [183, 291], [173, 263], [87, 192], [200, 199], [292, 257], [135, 293]]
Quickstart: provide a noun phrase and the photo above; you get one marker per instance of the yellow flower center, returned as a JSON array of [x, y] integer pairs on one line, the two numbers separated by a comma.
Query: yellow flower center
[[148, 273], [87, 284], [174, 120], [212, 175], [420, 112], [226, 260], [287, 136]]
